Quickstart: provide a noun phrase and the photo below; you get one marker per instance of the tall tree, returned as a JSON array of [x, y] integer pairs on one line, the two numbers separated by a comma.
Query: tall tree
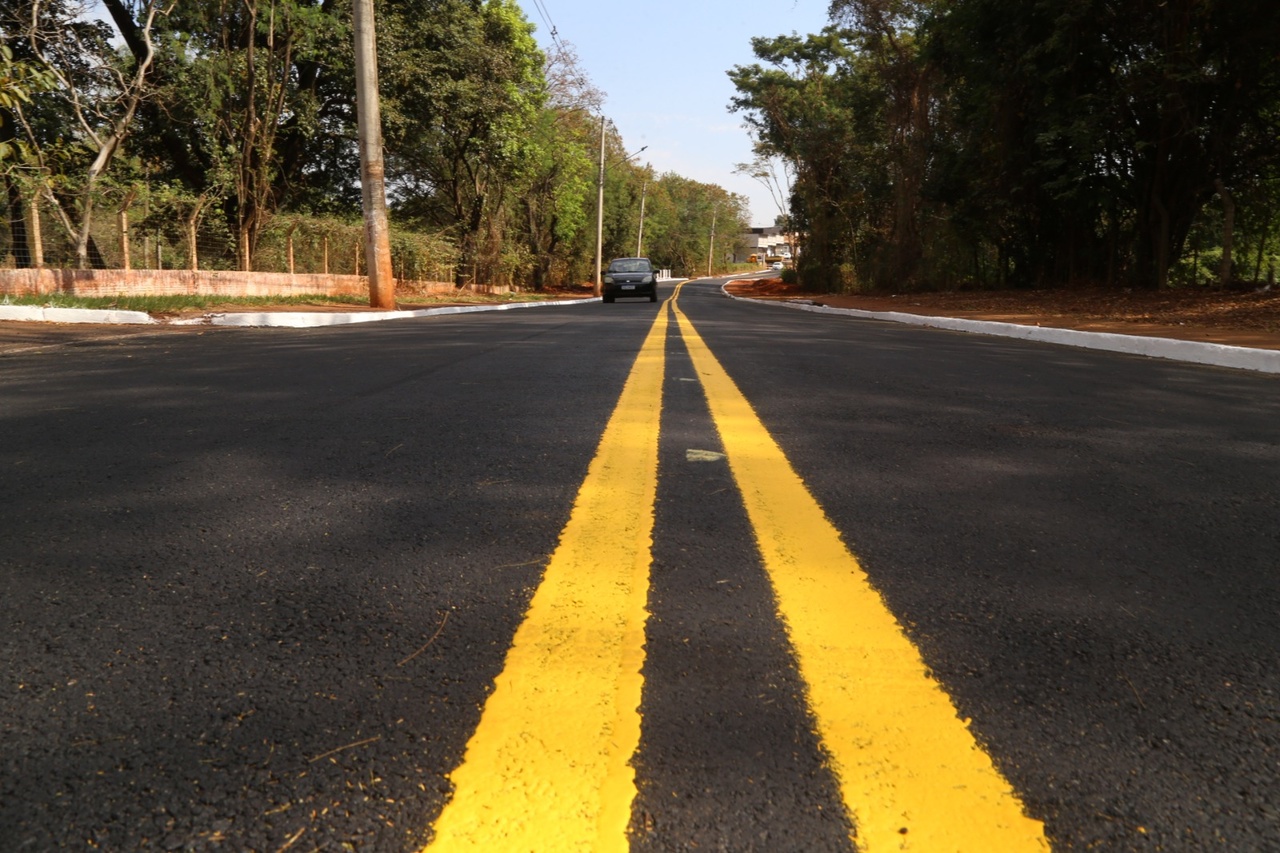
[[463, 84], [98, 98], [556, 184]]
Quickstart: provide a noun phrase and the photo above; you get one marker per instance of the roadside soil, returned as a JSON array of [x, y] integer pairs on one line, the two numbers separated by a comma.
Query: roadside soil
[[1244, 319]]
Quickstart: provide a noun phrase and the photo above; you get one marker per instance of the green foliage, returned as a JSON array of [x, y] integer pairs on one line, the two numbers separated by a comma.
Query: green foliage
[[679, 219], [462, 85], [247, 130], [19, 81], [980, 142], [170, 304]]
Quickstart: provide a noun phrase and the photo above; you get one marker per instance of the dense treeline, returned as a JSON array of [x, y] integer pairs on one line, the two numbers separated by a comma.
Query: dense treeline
[[232, 112], [947, 143]]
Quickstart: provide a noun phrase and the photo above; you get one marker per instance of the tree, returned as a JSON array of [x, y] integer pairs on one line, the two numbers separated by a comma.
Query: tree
[[18, 82], [820, 107], [247, 77], [462, 83], [99, 95], [555, 188]]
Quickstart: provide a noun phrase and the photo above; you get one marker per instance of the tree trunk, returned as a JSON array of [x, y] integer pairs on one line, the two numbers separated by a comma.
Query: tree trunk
[[17, 222], [192, 250], [36, 235], [1228, 232], [1262, 245], [122, 220]]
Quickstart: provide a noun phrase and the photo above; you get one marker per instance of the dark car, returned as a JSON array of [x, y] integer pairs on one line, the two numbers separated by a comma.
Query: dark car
[[630, 277]]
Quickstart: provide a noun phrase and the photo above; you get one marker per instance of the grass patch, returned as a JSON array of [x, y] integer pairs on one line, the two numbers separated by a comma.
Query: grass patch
[[169, 304], [190, 302], [486, 298]]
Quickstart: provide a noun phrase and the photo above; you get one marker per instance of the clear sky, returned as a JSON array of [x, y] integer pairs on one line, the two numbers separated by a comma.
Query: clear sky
[[662, 65]]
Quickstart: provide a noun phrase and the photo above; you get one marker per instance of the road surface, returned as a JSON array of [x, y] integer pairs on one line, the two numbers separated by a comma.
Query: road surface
[[744, 579]]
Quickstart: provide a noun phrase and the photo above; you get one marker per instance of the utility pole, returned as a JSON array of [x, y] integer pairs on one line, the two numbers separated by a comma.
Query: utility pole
[[382, 285], [644, 192], [711, 253], [599, 288]]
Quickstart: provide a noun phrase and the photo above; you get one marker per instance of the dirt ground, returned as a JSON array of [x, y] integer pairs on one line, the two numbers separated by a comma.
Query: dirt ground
[[1246, 319]]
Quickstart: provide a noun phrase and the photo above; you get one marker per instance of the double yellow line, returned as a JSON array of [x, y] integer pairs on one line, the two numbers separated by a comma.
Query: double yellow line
[[548, 768]]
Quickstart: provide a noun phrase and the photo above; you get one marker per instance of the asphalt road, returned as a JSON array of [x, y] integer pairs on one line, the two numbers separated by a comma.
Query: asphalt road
[[260, 583]]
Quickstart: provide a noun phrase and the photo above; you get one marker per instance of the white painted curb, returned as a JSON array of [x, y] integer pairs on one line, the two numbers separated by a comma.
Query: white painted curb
[[282, 319], [1195, 352], [34, 313], [308, 319]]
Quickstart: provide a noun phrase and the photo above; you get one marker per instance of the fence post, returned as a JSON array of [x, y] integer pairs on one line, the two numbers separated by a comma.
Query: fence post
[[191, 242], [122, 219], [37, 239], [326, 254], [289, 244]]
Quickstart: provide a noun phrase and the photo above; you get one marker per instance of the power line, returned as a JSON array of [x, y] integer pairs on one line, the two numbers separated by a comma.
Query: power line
[[545, 14]]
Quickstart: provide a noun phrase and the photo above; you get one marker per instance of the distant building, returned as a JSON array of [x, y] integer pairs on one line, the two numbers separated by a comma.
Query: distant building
[[767, 242]]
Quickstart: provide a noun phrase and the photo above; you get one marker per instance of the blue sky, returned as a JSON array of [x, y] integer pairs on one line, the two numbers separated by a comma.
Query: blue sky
[[662, 65]]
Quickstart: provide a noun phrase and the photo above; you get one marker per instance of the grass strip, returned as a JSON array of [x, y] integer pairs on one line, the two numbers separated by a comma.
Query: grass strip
[[187, 302]]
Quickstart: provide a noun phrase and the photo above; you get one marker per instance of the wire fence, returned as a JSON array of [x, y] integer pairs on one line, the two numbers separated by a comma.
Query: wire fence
[[142, 232]]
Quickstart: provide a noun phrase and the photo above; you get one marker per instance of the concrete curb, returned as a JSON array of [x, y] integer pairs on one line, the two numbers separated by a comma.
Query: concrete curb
[[282, 319], [308, 319], [1217, 355], [36, 314]]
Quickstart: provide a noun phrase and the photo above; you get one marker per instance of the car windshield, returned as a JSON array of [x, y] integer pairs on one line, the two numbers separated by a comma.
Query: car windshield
[[629, 265]]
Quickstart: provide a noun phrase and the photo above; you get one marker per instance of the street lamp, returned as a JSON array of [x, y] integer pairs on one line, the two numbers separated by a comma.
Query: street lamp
[[644, 193]]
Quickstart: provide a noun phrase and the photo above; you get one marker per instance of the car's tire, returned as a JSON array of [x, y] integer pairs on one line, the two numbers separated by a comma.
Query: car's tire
[[653, 297], [608, 299]]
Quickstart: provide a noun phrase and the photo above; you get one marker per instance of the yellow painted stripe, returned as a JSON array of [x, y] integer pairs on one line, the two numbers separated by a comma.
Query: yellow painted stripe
[[548, 768], [910, 772]]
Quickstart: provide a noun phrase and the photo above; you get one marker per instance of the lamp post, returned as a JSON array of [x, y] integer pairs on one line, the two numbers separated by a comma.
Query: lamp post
[[711, 252], [644, 192], [599, 286]]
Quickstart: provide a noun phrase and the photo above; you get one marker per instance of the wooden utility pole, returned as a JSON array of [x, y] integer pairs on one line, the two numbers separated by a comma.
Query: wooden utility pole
[[599, 287], [382, 285]]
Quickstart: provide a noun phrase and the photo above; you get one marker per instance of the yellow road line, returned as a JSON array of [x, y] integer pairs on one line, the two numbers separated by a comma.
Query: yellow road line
[[548, 767], [910, 772]]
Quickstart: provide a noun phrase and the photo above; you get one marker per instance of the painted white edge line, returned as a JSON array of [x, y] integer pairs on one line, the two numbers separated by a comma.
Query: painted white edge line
[[1218, 355]]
